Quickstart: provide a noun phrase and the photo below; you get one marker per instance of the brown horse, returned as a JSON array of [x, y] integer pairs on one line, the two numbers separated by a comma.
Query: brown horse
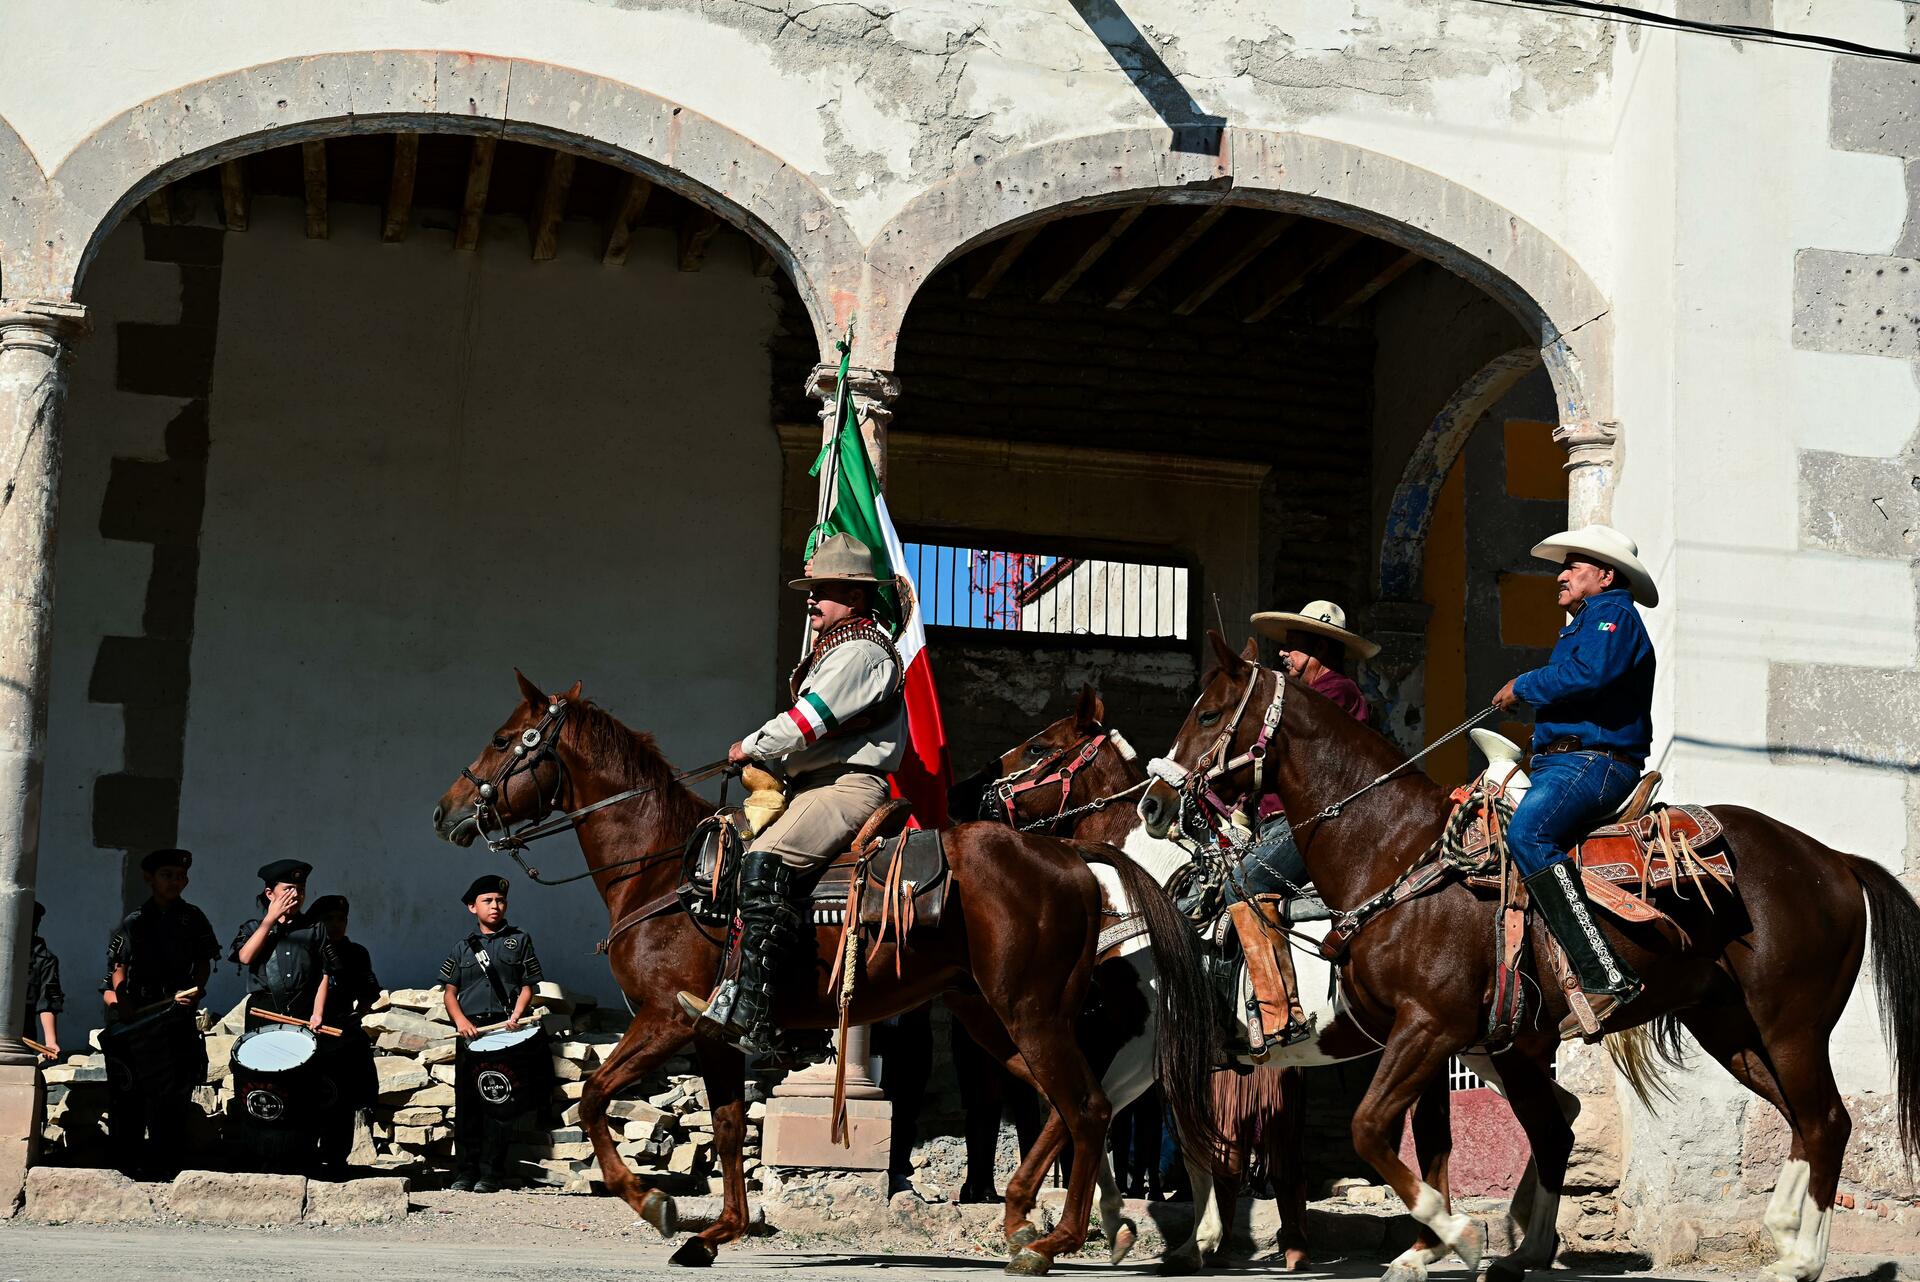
[[1760, 982], [1080, 777], [1013, 952]]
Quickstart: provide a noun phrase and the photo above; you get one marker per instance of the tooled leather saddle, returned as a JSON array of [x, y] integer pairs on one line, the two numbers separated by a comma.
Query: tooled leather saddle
[[905, 872]]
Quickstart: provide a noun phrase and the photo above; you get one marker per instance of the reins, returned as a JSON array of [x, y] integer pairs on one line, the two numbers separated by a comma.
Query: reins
[[1333, 811]]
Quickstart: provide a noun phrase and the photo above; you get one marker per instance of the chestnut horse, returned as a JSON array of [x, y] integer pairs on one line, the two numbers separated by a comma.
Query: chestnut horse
[[1081, 778], [1760, 982], [1013, 952]]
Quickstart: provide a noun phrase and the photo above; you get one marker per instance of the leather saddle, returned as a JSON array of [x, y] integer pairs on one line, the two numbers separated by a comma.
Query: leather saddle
[[906, 872]]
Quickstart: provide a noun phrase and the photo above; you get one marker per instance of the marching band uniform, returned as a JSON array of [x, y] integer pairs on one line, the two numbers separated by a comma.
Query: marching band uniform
[[45, 999], [488, 978], [290, 964], [350, 997], [1593, 728], [845, 733], [159, 950]]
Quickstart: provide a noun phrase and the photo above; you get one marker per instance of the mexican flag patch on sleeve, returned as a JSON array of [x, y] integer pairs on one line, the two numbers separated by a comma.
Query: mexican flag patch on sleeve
[[1607, 627]]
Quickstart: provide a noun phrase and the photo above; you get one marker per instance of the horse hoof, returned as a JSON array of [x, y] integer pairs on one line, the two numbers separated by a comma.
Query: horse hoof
[[658, 1209], [1024, 1236], [1123, 1239], [1297, 1261], [1398, 1272], [1179, 1266], [1469, 1246], [694, 1253], [1029, 1263]]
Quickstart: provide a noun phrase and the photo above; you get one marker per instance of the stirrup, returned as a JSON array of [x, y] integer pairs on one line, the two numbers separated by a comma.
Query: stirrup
[[1296, 1031], [1602, 1007], [713, 1016]]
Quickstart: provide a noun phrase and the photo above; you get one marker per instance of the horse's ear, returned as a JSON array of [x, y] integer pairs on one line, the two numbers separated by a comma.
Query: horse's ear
[[1252, 651], [573, 693], [1092, 710], [1229, 662], [535, 697]]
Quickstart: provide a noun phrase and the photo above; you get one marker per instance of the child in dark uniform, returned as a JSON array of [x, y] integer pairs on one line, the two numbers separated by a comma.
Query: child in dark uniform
[[45, 1000], [158, 960], [350, 997], [488, 979], [290, 965]]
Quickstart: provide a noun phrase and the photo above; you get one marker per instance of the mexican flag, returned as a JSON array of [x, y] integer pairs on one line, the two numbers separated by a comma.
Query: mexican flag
[[854, 505]]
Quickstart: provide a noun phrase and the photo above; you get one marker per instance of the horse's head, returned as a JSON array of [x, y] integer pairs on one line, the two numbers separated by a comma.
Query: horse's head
[[517, 778], [1075, 758], [1222, 746]]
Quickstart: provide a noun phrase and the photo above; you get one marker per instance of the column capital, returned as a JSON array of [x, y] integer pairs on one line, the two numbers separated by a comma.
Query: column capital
[[1587, 434], [878, 386], [45, 324]]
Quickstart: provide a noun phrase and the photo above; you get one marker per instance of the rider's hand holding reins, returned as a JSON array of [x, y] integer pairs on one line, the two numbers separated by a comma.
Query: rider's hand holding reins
[[1506, 700]]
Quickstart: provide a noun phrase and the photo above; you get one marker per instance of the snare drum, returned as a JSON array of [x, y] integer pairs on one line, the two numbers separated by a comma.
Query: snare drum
[[510, 1070], [275, 1077], [157, 1054]]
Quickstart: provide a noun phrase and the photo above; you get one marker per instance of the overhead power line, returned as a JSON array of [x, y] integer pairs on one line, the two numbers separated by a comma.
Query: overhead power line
[[1618, 13]]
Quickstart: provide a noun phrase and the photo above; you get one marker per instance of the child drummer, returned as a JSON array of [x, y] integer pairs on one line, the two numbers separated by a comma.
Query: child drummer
[[290, 963], [488, 980], [45, 999], [158, 959]]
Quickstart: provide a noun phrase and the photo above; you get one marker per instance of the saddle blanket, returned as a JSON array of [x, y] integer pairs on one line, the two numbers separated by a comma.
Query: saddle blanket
[[1624, 865], [910, 874]]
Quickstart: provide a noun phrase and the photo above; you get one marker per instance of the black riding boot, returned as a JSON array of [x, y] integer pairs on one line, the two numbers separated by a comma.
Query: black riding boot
[[741, 1009], [1607, 981]]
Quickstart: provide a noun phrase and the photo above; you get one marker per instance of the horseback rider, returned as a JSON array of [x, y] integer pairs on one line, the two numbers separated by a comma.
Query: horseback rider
[[844, 734], [1593, 728]]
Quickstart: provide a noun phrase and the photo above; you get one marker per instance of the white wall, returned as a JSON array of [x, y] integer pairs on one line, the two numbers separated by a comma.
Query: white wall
[[427, 468]]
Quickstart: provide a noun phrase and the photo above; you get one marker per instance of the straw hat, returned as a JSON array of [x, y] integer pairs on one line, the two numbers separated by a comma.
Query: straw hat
[[1610, 547], [1323, 617], [840, 558]]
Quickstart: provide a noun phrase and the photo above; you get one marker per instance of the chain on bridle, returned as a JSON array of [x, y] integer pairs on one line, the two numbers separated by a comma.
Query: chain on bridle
[[1002, 796]]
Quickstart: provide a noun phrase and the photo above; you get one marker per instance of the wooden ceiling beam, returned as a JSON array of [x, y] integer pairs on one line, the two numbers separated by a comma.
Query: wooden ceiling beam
[[763, 260], [1310, 247], [1096, 249], [1352, 283], [236, 202], [1144, 276], [696, 232], [159, 207], [998, 264], [1229, 260], [406, 164], [313, 181], [628, 206], [552, 205], [473, 202]]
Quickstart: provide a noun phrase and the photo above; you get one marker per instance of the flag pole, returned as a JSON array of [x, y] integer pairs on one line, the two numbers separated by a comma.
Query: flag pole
[[830, 467]]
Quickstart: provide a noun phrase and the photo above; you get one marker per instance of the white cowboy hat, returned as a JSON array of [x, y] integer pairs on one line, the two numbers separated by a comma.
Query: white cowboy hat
[[1323, 617], [1610, 547]]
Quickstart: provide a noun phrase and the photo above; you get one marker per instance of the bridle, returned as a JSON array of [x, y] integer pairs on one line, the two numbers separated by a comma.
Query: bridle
[[535, 744], [1199, 787], [1001, 800]]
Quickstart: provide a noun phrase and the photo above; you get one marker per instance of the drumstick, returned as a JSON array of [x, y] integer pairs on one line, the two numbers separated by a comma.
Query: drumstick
[[530, 1017], [36, 1046], [289, 1019], [162, 1004]]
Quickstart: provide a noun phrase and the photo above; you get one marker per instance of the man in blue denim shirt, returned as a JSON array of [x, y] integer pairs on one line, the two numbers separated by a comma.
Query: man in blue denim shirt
[[1593, 713]]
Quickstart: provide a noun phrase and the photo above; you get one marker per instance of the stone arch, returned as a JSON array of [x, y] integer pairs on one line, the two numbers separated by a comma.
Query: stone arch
[[196, 125], [1385, 196], [20, 179]]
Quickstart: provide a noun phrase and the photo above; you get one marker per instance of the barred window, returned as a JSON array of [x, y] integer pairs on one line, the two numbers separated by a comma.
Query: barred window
[[1040, 593]]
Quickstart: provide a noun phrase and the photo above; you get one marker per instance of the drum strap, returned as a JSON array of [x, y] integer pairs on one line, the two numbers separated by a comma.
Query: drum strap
[[493, 977]]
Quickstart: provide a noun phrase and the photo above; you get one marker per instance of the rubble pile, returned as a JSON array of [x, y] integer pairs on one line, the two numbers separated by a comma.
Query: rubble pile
[[663, 1127]]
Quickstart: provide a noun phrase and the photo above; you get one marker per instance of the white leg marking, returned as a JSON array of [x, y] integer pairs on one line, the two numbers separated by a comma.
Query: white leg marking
[[1411, 1264], [1211, 1230], [1110, 1205], [1455, 1229], [1804, 1260], [1783, 1211]]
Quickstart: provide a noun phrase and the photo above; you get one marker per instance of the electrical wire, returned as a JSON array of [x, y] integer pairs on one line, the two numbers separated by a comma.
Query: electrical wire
[[1627, 16]]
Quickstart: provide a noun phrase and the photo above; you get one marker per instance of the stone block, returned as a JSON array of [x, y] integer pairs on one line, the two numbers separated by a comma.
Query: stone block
[[442, 1073], [565, 1070], [438, 1095], [399, 1075], [416, 999], [375, 1200], [1598, 1145], [219, 1055], [411, 1136], [798, 1132], [440, 1052], [216, 1197], [21, 1103], [572, 1090], [417, 1117], [642, 1129], [81, 1195]]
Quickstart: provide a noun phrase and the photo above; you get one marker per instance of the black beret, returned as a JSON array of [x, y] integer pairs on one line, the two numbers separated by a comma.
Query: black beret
[[285, 870], [327, 906], [491, 884], [167, 859]]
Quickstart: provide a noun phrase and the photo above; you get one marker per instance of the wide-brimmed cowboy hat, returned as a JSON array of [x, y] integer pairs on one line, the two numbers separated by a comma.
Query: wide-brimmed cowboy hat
[[840, 558], [1323, 617], [1607, 545]]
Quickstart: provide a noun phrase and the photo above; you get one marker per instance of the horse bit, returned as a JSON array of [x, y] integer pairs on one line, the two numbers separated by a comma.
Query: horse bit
[[1003, 793], [535, 744]]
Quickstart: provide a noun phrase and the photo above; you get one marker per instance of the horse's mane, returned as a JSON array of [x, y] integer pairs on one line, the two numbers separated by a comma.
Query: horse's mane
[[598, 735]]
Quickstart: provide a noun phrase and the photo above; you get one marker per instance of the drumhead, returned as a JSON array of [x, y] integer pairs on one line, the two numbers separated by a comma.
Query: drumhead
[[275, 1049], [502, 1040]]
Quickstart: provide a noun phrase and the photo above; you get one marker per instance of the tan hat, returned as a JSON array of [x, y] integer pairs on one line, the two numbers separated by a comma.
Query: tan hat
[[1323, 617], [840, 558], [1605, 544]]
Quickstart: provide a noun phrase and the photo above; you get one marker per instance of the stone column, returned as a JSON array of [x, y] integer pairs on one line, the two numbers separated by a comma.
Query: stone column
[[1593, 461], [800, 1114], [34, 337]]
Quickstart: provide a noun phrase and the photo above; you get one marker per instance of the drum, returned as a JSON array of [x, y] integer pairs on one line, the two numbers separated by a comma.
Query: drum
[[276, 1081], [159, 1053], [511, 1070]]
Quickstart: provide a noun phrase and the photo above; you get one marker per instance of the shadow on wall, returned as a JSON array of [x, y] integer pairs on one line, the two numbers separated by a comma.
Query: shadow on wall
[[1194, 129]]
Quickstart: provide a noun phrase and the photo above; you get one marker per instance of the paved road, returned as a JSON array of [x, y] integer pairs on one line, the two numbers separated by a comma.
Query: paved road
[[33, 1253]]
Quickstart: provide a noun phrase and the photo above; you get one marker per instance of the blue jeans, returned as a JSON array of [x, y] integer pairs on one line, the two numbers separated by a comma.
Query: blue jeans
[[1571, 792]]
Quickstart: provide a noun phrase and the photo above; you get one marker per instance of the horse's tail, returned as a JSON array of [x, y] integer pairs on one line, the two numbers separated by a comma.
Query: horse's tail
[[1184, 1049], [1895, 926], [1644, 1053]]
